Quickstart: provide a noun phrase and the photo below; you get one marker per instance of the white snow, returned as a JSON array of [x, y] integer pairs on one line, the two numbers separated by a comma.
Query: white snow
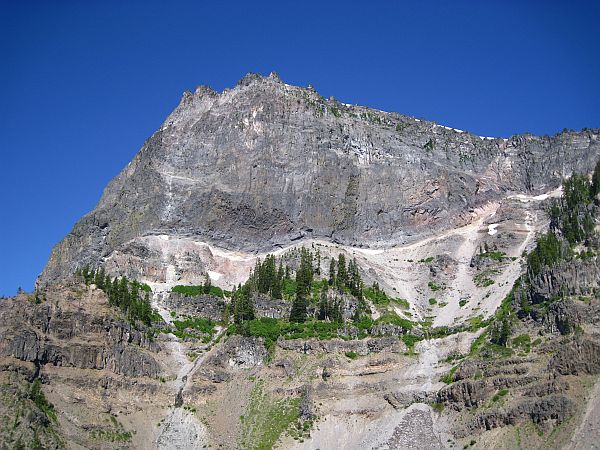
[[370, 251], [529, 198], [537, 198], [214, 275], [492, 229], [449, 128]]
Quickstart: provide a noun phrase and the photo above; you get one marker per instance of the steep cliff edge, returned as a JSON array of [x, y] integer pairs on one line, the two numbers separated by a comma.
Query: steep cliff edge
[[265, 164]]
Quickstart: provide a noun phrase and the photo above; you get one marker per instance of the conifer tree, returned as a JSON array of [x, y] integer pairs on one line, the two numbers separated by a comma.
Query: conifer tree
[[299, 308], [595, 187], [304, 275], [342, 274], [318, 262], [207, 284], [331, 272], [323, 304]]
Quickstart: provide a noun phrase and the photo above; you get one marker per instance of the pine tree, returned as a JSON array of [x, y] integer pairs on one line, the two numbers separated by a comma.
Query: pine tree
[[207, 284], [287, 272], [123, 296], [356, 315], [595, 187], [336, 311], [318, 259], [332, 272], [299, 307], [342, 273], [304, 275], [99, 277], [324, 304], [276, 287]]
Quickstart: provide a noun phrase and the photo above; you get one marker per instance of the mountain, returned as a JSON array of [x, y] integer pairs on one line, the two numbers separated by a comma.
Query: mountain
[[275, 269], [263, 165]]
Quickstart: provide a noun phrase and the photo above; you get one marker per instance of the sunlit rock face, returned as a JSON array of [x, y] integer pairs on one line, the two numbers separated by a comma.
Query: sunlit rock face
[[265, 164]]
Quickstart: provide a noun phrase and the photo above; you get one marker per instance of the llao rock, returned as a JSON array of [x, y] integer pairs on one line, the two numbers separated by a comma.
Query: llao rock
[[265, 164]]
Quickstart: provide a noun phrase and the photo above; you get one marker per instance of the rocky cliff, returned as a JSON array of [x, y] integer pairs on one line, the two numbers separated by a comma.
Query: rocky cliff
[[266, 164]]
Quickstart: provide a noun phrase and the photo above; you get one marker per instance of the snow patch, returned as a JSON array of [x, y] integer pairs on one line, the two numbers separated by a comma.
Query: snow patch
[[369, 251], [529, 198], [492, 229], [214, 275]]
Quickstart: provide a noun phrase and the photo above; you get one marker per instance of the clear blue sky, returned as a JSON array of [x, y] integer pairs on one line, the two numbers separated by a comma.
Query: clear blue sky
[[83, 84]]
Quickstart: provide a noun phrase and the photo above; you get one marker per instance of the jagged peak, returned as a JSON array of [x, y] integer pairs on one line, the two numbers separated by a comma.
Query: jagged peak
[[205, 90], [252, 77], [249, 78]]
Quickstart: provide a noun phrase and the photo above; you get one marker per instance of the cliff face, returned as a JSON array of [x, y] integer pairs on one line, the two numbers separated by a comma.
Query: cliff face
[[265, 164]]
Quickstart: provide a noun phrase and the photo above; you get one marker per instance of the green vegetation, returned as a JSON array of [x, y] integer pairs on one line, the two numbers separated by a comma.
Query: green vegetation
[[410, 340], [114, 432], [438, 407], [572, 223], [493, 254], [351, 355], [202, 289], [271, 329], [304, 289], [477, 343], [434, 286], [523, 342], [476, 323], [304, 279], [483, 278], [266, 418], [501, 393], [430, 145], [394, 319], [195, 327], [449, 377], [131, 297], [380, 298], [336, 111], [36, 395], [432, 301], [454, 357], [547, 252]]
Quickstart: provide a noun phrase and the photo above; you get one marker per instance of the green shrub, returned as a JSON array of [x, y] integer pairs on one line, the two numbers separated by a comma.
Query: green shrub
[[36, 395], [438, 407], [449, 377], [410, 340], [194, 291], [434, 286], [195, 327], [395, 319]]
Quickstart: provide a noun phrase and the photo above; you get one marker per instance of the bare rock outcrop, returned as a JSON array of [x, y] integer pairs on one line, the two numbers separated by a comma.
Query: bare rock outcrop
[[81, 335], [265, 164]]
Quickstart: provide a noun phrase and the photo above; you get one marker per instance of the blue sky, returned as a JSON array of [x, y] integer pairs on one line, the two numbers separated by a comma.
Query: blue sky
[[83, 84]]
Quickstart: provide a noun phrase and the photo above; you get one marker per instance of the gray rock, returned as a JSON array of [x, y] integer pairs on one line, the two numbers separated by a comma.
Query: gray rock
[[265, 164]]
